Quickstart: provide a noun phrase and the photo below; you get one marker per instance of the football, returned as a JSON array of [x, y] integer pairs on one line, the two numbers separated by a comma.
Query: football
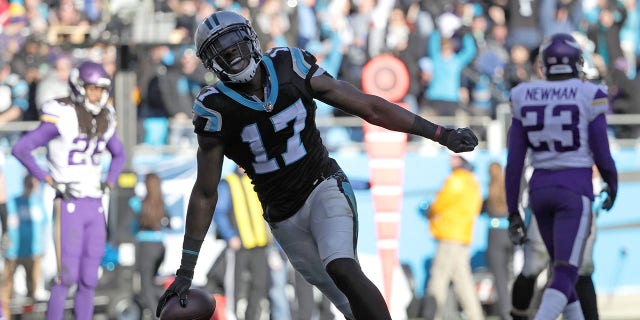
[[200, 306]]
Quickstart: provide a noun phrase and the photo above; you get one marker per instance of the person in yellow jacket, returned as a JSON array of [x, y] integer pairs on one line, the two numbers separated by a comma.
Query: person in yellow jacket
[[239, 221], [451, 217]]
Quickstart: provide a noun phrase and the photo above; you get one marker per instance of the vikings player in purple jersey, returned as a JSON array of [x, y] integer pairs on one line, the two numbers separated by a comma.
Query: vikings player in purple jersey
[[77, 131], [561, 121], [261, 115]]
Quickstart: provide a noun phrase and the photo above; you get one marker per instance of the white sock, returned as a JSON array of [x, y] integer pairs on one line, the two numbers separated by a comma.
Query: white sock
[[553, 302], [573, 311]]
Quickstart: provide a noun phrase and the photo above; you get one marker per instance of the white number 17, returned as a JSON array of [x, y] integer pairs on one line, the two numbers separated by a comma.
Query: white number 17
[[295, 149]]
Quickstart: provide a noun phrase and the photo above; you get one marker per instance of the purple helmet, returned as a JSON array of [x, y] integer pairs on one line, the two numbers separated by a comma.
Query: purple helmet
[[89, 73], [561, 54]]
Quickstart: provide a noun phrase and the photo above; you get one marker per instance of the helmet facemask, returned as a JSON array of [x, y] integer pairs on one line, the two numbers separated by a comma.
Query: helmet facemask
[[561, 55], [89, 73], [97, 106], [232, 51]]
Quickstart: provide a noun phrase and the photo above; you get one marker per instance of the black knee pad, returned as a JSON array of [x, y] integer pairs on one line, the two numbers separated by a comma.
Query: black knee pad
[[522, 292], [343, 269], [564, 279]]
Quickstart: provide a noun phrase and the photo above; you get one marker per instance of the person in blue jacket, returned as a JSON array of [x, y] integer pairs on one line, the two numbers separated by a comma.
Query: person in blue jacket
[[27, 227]]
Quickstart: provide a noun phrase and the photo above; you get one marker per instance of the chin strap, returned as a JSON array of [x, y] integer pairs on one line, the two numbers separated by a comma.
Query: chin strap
[[93, 108], [245, 75]]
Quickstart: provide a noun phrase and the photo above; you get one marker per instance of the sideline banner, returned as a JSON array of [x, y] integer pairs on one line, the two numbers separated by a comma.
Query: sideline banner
[[388, 77]]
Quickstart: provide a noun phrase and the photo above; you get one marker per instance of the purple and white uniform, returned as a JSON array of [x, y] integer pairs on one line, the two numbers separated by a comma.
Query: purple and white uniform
[[563, 125], [79, 223]]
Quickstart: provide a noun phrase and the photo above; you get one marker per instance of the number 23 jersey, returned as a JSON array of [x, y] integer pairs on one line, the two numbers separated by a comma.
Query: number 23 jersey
[[276, 141], [555, 118]]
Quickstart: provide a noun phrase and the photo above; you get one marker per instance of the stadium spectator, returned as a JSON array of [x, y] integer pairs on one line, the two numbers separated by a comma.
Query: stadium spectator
[[451, 217], [499, 247], [54, 84], [444, 91], [31, 64], [37, 12], [13, 33], [625, 97], [158, 91], [149, 227], [605, 31], [185, 22], [356, 53], [279, 266], [522, 19], [14, 101], [488, 86], [406, 43], [630, 35], [560, 16], [190, 79], [273, 21], [519, 68], [308, 25], [27, 226], [78, 130], [239, 220], [4, 237], [67, 23]]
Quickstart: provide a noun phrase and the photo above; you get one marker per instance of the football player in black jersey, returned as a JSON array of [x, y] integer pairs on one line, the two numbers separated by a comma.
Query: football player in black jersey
[[261, 115]]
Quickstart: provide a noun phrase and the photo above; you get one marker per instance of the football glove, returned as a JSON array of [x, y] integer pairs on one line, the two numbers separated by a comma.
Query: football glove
[[610, 198], [517, 229], [67, 190], [179, 287], [458, 140], [105, 188]]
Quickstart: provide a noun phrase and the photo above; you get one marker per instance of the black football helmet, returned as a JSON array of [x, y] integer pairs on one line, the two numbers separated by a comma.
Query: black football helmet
[[227, 44]]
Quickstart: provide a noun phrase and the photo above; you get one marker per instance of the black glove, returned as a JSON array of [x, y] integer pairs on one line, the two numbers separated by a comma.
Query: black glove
[[67, 190], [458, 140], [179, 287], [517, 230], [611, 198]]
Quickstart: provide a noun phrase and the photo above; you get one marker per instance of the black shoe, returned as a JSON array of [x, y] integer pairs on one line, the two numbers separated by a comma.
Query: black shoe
[[519, 315]]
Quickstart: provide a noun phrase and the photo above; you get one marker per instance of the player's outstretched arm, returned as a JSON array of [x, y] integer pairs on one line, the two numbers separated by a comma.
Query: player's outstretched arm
[[383, 113], [202, 202]]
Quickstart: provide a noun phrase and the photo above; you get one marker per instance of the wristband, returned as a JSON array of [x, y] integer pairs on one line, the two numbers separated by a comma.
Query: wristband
[[185, 273], [436, 136], [190, 250], [425, 128]]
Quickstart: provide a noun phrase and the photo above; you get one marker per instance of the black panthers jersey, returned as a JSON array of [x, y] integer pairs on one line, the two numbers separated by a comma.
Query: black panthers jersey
[[275, 141]]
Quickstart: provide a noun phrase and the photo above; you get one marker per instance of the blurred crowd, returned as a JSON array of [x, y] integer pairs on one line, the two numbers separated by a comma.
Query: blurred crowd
[[462, 56]]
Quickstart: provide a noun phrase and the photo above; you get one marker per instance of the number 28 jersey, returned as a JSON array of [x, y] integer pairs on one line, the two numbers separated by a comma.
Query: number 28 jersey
[[555, 117], [276, 141], [72, 156]]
